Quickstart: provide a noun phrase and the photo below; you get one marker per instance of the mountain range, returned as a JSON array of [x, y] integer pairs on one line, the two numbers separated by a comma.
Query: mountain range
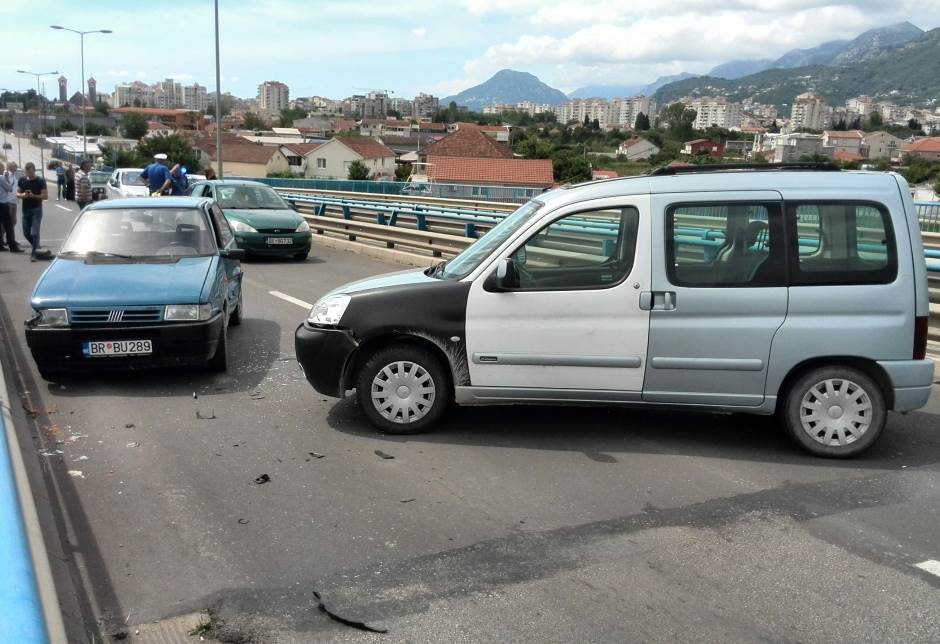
[[507, 86], [615, 91]]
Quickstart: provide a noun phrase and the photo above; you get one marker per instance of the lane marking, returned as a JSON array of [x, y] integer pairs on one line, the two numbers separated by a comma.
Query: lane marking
[[931, 565], [63, 208], [291, 299]]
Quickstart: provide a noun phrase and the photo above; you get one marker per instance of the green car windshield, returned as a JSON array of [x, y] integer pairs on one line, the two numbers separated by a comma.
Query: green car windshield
[[249, 198]]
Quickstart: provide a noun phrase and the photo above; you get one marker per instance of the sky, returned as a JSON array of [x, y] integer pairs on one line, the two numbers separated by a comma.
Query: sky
[[336, 48]]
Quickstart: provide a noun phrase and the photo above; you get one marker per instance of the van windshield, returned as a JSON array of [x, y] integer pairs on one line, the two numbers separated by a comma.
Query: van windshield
[[465, 263]]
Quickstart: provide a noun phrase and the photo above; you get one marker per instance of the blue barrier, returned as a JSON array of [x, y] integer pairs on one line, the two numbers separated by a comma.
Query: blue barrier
[[21, 615]]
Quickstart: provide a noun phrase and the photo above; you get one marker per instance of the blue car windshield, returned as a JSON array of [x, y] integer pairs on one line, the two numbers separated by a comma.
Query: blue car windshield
[[141, 232], [249, 198]]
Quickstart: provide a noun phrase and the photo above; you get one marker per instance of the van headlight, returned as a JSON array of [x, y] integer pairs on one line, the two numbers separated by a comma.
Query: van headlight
[[51, 318], [329, 310], [304, 227], [187, 312]]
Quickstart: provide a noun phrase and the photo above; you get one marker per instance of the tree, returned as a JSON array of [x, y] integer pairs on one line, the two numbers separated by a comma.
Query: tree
[[533, 147], [642, 122], [936, 186], [175, 147], [252, 121], [913, 124], [102, 108], [133, 126], [570, 166], [119, 157], [402, 171], [394, 113], [357, 171], [288, 116], [774, 128], [679, 120], [875, 121]]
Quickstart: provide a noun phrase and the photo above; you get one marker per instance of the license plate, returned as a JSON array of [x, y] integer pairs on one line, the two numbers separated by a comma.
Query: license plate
[[277, 241], [103, 348]]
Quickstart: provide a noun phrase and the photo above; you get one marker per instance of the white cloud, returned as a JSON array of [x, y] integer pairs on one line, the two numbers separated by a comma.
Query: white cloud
[[420, 32], [118, 72], [141, 74]]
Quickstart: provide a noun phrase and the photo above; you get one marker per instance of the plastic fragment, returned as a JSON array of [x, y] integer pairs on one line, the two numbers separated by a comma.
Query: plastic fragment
[[261, 480], [382, 454]]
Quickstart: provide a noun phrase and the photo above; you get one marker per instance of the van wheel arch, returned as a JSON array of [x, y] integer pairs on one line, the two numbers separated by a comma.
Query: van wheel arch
[[373, 345], [869, 367]]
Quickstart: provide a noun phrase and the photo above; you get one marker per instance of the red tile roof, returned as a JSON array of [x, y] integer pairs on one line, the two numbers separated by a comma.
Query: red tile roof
[[483, 128], [929, 144], [604, 174], [521, 172], [341, 125], [242, 153], [468, 143], [843, 156], [366, 146], [156, 125], [158, 111], [434, 127], [302, 149], [633, 140], [849, 134]]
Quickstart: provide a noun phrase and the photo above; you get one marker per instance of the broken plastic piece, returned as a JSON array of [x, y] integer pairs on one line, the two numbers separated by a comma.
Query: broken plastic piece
[[382, 454], [317, 455], [363, 626], [261, 480]]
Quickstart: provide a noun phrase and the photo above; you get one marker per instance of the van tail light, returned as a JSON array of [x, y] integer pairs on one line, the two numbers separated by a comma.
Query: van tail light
[[920, 337]]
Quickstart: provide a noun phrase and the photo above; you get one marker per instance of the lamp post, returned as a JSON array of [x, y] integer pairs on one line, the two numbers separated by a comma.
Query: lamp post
[[38, 75], [81, 36], [218, 97]]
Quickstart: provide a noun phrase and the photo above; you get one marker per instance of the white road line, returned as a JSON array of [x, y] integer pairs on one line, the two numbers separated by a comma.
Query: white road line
[[291, 299], [63, 208], [931, 565]]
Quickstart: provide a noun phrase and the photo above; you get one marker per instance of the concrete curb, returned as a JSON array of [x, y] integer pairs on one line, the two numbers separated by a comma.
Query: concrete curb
[[54, 626]]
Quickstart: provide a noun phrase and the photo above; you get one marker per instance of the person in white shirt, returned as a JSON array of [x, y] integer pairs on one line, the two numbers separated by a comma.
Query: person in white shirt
[[8, 209]]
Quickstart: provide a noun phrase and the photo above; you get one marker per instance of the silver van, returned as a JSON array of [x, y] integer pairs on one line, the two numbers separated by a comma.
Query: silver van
[[786, 290]]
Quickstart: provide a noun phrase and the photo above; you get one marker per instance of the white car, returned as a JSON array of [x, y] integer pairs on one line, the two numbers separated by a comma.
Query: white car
[[125, 182]]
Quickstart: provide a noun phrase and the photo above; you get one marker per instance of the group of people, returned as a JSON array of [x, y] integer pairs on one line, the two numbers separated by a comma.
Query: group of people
[[162, 180], [31, 190]]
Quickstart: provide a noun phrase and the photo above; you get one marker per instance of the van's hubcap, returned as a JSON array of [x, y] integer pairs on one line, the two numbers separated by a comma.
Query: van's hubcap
[[835, 412], [403, 392]]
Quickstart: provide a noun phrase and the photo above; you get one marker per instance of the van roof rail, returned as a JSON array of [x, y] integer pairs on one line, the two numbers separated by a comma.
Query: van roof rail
[[753, 167]]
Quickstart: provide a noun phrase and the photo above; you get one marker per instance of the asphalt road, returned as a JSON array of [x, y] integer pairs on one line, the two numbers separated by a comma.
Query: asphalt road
[[507, 524]]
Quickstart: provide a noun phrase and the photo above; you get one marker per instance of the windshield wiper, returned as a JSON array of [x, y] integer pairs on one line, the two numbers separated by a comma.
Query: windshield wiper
[[98, 253]]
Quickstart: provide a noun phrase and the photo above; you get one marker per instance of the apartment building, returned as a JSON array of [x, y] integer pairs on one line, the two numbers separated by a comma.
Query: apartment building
[[809, 112], [881, 145], [623, 111], [424, 106], [580, 108], [195, 97], [273, 96], [717, 111]]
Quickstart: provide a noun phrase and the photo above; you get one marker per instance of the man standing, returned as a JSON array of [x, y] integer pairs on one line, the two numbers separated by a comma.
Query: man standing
[[59, 182], [83, 185], [156, 176], [8, 208], [179, 183], [32, 191]]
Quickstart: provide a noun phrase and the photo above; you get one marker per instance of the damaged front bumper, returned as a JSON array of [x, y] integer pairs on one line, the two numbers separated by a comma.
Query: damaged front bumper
[[323, 354]]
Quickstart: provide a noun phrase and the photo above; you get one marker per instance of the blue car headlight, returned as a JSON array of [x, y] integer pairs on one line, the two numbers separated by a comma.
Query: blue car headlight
[[50, 318], [187, 312]]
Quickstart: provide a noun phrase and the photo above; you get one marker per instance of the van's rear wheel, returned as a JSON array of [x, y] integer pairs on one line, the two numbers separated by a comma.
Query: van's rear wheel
[[403, 389], [835, 411]]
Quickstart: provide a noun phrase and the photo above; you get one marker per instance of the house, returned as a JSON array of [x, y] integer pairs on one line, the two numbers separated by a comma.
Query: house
[[468, 143], [246, 159], [155, 128], [332, 159], [737, 148], [927, 148], [296, 155], [841, 156], [881, 145], [180, 119], [637, 148], [520, 173], [498, 132], [793, 146], [704, 146], [603, 174], [849, 142]]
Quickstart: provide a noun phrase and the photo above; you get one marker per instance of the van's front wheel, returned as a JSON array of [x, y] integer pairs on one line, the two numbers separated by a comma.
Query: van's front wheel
[[403, 389], [835, 411]]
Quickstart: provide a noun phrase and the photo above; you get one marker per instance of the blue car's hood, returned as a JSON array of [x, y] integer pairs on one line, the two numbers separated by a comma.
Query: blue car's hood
[[72, 282]]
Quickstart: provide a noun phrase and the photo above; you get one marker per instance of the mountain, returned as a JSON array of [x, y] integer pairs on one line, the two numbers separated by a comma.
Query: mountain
[[507, 86], [905, 74], [876, 42], [820, 55], [619, 91], [738, 68]]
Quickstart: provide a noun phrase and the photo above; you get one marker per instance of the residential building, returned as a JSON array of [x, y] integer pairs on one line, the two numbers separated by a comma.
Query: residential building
[[637, 149], [403, 106], [468, 142], [717, 111], [498, 132], [580, 108], [788, 147], [195, 97], [273, 96], [843, 156], [167, 94], [927, 148], [325, 105], [704, 146], [808, 112], [63, 89], [623, 111], [156, 128], [134, 94], [881, 145], [178, 119], [737, 148], [246, 159], [848, 142], [332, 159], [520, 173], [92, 90], [597, 175], [296, 155], [424, 106], [860, 105]]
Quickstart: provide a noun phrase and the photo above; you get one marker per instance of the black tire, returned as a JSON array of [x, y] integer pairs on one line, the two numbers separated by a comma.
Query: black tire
[[422, 363], [235, 318], [849, 384], [219, 361]]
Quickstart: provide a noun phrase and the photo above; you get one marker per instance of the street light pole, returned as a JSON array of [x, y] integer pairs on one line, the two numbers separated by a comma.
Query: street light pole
[[218, 96], [38, 75], [81, 36]]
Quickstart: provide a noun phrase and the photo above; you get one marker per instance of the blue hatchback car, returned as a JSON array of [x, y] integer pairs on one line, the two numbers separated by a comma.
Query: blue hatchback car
[[139, 283]]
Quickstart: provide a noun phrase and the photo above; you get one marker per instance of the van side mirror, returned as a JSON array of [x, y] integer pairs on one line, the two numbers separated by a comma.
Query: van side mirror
[[504, 278]]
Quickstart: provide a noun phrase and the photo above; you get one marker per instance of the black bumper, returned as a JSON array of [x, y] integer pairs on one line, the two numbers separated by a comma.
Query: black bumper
[[174, 344], [324, 354]]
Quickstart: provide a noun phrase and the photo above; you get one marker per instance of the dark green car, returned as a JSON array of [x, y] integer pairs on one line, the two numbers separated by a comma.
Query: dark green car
[[264, 224]]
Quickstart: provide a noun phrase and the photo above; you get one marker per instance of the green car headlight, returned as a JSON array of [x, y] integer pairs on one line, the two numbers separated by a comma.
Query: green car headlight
[[241, 227]]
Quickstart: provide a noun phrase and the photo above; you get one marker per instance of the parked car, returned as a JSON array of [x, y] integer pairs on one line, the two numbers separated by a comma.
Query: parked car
[[775, 290], [142, 282], [124, 183], [7, 146], [264, 224]]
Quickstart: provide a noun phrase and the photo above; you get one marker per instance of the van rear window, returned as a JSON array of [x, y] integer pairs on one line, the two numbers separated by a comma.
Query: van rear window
[[840, 243]]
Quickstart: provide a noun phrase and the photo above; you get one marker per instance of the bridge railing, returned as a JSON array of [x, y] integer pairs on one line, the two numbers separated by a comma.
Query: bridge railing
[[460, 191]]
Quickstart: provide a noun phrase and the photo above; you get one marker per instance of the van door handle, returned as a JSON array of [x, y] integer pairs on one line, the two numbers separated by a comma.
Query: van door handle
[[658, 301]]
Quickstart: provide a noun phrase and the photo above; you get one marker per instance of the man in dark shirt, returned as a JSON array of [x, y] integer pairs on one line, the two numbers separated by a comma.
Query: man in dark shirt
[[156, 176], [83, 185], [179, 183], [31, 190]]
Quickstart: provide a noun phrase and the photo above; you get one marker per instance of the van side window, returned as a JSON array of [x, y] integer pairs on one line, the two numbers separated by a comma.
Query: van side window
[[841, 243], [585, 250], [725, 245]]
